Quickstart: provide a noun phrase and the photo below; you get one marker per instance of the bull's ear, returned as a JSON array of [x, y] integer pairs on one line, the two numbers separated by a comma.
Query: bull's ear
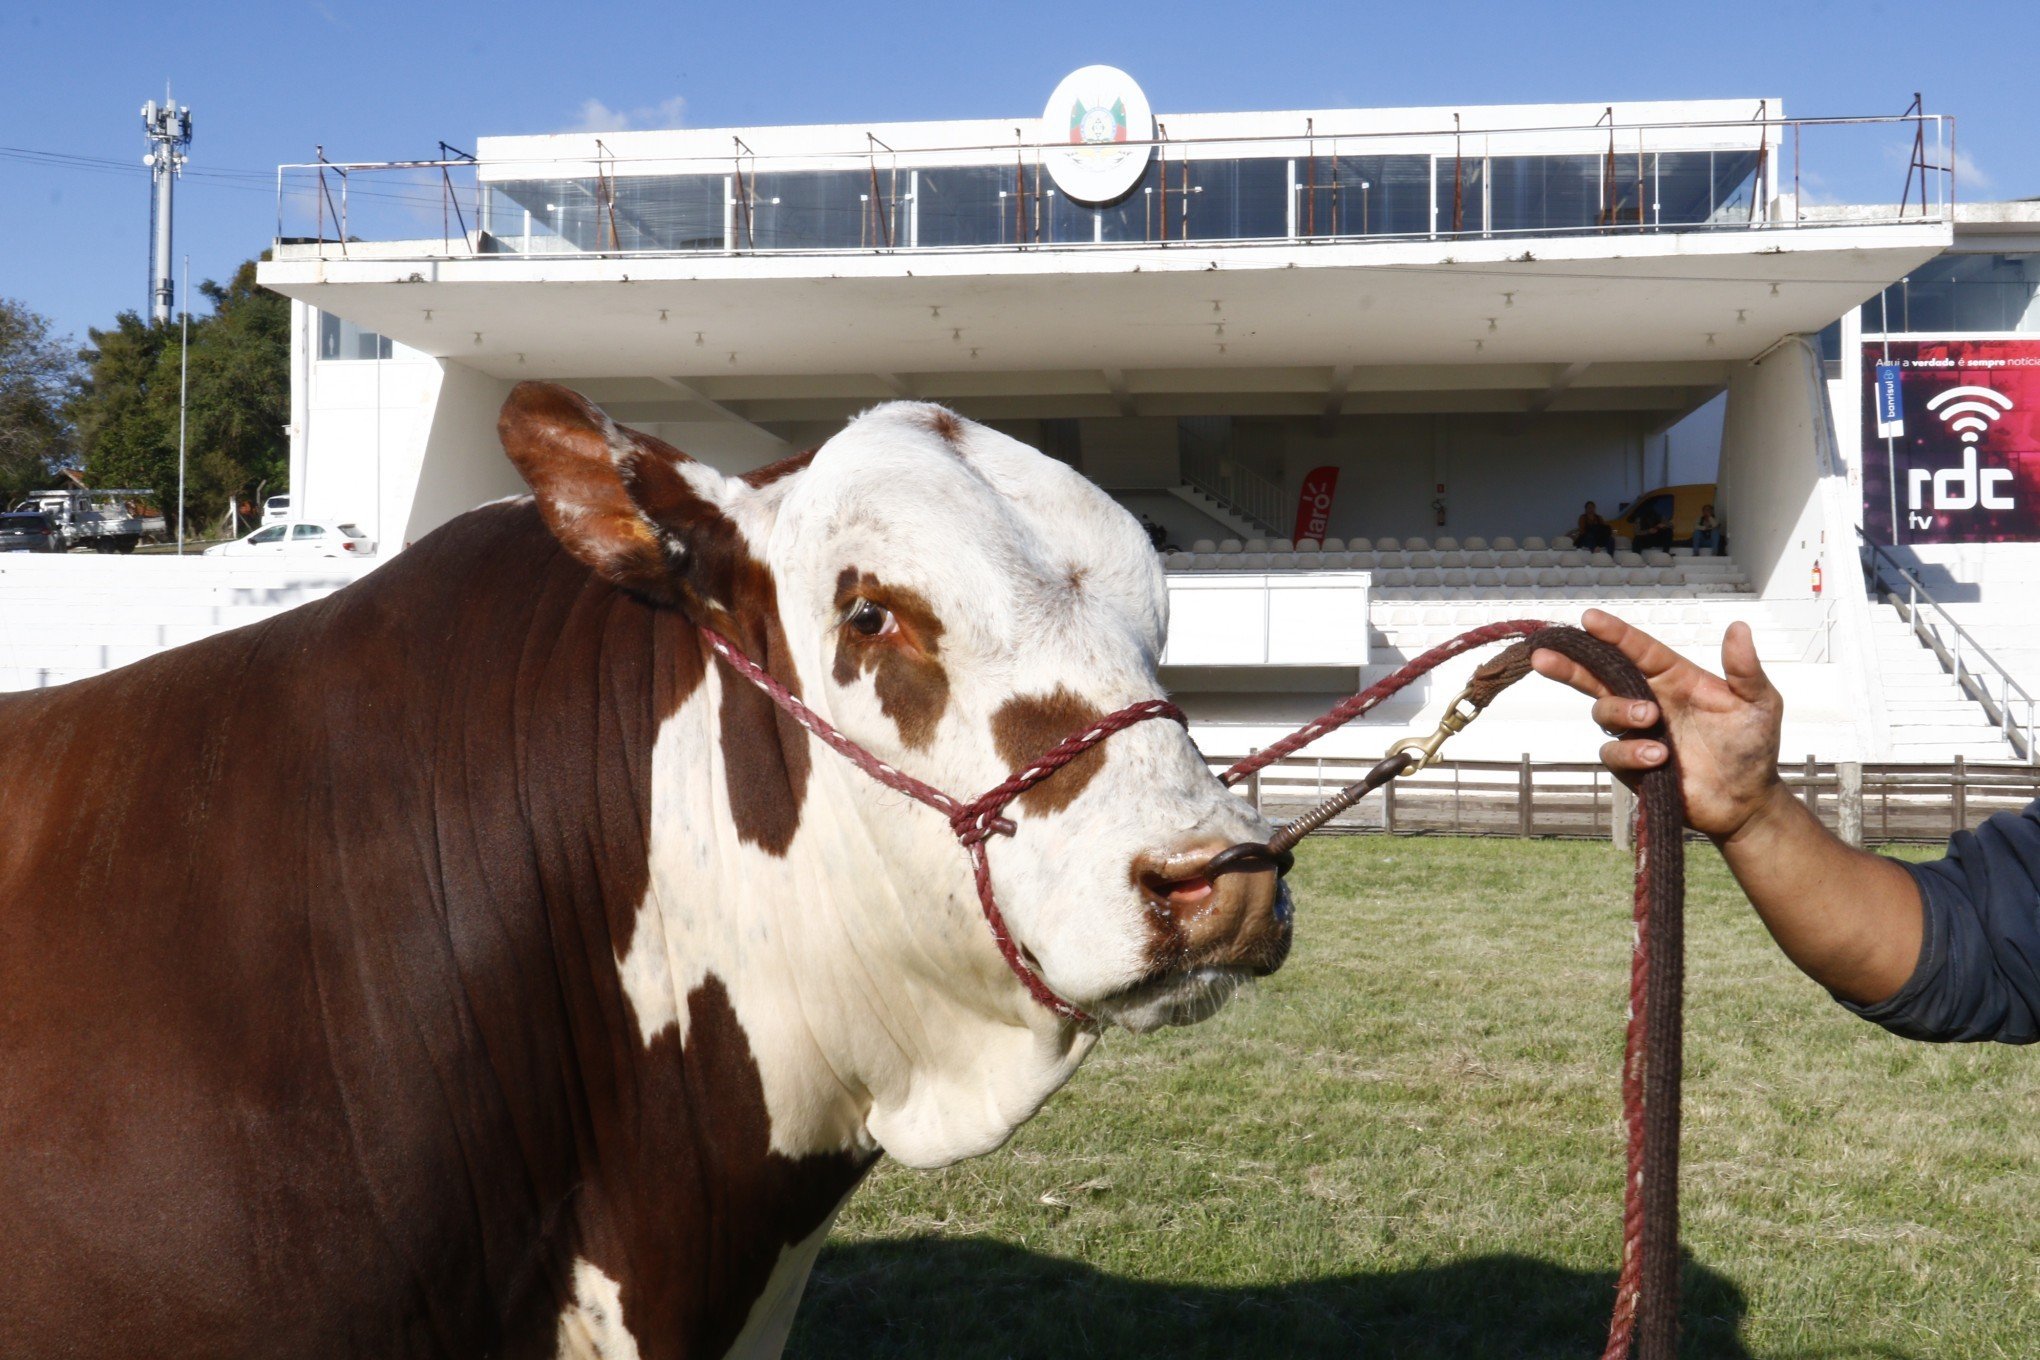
[[614, 497]]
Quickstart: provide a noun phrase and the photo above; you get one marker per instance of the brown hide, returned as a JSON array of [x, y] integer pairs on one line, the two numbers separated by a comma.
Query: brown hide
[[311, 1036]]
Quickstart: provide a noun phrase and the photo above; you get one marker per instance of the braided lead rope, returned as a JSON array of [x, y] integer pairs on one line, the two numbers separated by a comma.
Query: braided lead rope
[[972, 822], [1644, 1323], [1346, 710]]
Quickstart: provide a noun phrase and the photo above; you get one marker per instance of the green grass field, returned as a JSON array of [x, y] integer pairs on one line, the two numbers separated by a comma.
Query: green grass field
[[1407, 1144]]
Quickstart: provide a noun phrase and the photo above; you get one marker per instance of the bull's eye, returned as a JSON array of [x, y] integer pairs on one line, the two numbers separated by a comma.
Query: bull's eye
[[870, 619]]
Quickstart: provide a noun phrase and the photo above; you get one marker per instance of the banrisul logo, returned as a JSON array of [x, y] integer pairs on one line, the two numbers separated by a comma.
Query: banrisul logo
[[1097, 134]]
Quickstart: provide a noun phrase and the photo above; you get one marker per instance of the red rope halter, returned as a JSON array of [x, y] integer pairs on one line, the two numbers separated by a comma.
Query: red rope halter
[[974, 821]]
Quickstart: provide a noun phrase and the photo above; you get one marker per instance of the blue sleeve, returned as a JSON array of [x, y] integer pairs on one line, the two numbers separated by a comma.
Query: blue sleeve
[[1979, 971]]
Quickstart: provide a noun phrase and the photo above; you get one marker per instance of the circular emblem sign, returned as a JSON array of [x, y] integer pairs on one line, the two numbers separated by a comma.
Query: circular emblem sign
[[1098, 128]]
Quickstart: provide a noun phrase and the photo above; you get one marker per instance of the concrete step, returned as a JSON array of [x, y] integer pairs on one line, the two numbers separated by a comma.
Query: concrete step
[[1947, 733], [1941, 709]]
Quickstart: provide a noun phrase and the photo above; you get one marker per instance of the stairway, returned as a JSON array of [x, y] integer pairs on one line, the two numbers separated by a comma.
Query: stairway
[[1931, 718], [1244, 526]]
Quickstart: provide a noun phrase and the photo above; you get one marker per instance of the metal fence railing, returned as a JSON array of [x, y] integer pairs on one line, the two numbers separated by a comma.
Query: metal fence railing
[[1864, 803], [1451, 182], [2010, 706]]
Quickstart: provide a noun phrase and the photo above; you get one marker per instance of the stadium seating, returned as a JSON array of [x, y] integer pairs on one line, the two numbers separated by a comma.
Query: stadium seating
[[1475, 568]]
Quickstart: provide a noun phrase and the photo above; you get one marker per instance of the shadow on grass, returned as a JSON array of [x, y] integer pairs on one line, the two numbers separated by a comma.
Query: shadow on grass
[[932, 1296]]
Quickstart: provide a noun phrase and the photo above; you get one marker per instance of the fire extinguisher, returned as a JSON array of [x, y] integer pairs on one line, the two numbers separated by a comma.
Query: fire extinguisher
[[1816, 578]]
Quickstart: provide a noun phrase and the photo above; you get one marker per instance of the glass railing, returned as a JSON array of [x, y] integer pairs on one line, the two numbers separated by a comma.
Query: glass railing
[[1503, 183]]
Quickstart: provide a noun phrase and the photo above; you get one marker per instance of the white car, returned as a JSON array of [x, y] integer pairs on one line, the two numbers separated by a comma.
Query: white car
[[276, 510], [299, 538]]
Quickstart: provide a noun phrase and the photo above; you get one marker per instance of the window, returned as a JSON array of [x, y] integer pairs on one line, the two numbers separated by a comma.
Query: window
[[273, 534], [960, 205], [1350, 195], [307, 531], [352, 531], [1960, 293], [340, 338]]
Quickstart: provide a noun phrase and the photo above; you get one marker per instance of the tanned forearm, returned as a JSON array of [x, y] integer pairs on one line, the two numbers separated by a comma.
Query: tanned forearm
[[1852, 921]]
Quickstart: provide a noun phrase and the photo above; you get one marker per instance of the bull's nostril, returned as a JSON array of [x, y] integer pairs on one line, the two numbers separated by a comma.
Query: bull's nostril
[[1178, 892]]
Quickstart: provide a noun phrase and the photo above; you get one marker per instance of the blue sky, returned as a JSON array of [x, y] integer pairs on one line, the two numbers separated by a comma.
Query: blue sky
[[377, 81]]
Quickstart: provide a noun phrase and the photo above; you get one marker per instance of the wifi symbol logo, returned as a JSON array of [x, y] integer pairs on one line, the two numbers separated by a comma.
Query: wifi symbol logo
[[1969, 411]]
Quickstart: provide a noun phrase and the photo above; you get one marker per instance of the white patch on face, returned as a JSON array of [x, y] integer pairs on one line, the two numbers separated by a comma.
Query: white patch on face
[[591, 1327], [1044, 585]]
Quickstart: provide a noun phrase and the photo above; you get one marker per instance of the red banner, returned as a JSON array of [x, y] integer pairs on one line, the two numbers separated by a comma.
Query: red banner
[[1963, 462], [1314, 503]]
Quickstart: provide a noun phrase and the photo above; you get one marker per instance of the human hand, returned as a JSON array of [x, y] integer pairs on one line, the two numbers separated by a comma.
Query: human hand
[[1725, 726]]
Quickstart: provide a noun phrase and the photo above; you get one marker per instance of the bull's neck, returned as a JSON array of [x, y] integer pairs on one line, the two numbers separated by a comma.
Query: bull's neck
[[844, 928]]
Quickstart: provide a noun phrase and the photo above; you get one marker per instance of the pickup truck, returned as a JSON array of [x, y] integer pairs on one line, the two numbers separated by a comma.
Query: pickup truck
[[110, 521]]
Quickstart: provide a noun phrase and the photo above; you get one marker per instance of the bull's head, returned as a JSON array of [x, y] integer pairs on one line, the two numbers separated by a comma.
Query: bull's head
[[956, 603]]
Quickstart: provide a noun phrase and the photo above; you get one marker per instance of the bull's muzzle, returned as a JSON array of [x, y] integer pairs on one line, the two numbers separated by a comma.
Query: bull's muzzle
[[1212, 908]]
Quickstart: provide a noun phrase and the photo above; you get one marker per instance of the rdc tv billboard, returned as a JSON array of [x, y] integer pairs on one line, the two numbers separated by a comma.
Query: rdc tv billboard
[[1954, 425]]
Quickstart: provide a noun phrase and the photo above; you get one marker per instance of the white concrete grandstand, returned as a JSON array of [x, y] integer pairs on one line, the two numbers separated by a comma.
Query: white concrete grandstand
[[1475, 319]]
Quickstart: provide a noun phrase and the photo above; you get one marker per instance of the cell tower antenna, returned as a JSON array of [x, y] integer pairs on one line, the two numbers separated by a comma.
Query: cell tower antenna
[[168, 128]]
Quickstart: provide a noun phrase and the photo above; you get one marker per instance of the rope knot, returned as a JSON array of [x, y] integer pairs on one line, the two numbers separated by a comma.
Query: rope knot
[[974, 823]]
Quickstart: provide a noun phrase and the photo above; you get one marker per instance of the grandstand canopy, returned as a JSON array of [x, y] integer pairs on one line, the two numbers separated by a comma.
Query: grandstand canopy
[[1643, 322]]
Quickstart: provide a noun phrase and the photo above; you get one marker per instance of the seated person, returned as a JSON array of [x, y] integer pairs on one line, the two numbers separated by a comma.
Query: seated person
[[1707, 534], [1593, 532], [1157, 535], [1651, 532]]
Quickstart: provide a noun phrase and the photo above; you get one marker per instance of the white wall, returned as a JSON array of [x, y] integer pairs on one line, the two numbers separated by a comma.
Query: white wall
[[1503, 474], [1775, 442], [1133, 451], [363, 433], [459, 462]]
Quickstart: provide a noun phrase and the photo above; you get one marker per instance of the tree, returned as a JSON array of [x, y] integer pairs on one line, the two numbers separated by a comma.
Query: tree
[[126, 409], [238, 399], [240, 386], [39, 375]]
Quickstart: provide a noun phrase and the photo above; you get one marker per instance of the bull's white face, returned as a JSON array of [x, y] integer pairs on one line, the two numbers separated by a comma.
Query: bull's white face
[[958, 604]]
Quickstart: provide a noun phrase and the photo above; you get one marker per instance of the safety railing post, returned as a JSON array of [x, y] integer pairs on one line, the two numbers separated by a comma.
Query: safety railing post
[[1958, 803], [1525, 817]]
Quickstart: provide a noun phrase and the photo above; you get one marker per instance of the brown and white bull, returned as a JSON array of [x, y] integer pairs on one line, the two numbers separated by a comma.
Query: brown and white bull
[[469, 964]]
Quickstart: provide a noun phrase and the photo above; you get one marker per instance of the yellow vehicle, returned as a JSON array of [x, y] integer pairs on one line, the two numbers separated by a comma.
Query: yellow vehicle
[[1680, 505]]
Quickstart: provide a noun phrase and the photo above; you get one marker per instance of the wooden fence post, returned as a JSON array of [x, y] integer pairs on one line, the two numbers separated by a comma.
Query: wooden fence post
[[1849, 801], [1254, 783], [1809, 790], [1388, 807], [1621, 813], [1526, 823]]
